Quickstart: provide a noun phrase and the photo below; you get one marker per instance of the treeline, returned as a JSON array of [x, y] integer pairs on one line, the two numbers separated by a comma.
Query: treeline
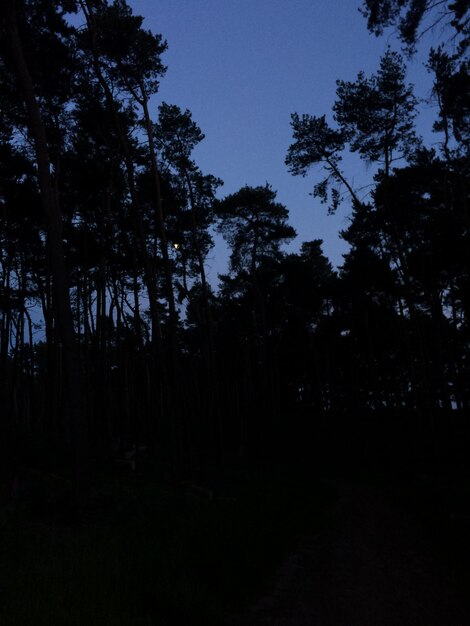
[[111, 334]]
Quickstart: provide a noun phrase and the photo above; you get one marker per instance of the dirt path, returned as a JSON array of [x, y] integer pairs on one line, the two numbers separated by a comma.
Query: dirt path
[[371, 567]]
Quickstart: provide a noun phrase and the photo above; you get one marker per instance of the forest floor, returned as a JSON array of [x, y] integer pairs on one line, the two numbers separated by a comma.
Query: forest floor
[[244, 550], [147, 553], [375, 563]]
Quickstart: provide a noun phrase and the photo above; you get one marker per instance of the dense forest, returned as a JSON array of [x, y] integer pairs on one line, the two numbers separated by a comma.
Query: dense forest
[[111, 336], [164, 439]]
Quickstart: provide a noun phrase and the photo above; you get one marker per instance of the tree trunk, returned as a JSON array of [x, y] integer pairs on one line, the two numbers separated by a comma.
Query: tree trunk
[[61, 299], [161, 230]]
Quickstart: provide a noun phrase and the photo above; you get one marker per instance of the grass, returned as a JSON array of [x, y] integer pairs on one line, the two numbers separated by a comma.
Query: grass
[[150, 555]]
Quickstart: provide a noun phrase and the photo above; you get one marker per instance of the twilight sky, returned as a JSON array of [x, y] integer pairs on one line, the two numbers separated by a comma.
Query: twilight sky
[[242, 67]]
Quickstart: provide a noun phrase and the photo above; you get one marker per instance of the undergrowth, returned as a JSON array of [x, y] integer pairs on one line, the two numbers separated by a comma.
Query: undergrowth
[[149, 554]]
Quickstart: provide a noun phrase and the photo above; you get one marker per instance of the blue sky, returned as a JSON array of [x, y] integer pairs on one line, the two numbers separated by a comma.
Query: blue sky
[[242, 67]]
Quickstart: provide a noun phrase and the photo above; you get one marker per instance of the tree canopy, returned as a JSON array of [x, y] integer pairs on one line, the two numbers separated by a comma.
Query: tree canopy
[[112, 331]]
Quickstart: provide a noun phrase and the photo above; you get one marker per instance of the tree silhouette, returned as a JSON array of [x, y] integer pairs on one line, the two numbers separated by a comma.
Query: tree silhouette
[[410, 16], [61, 297], [376, 114], [317, 143], [111, 332]]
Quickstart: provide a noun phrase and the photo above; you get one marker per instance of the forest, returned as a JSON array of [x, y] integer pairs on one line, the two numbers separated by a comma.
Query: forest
[[119, 355]]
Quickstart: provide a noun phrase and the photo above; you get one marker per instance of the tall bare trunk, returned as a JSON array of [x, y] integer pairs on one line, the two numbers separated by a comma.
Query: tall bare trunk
[[61, 299], [161, 225]]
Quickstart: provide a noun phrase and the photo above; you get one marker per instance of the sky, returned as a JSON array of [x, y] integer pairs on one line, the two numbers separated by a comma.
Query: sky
[[242, 67]]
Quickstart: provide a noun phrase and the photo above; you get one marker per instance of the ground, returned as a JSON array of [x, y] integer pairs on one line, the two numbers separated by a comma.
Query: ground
[[375, 563]]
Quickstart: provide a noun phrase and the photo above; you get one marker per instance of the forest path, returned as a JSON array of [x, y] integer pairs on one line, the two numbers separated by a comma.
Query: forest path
[[372, 565]]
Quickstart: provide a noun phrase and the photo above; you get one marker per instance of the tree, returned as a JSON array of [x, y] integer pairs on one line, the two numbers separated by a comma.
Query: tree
[[376, 114], [99, 46], [375, 118], [299, 307], [410, 16], [451, 90], [254, 225], [316, 143], [130, 58], [61, 301], [177, 135]]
